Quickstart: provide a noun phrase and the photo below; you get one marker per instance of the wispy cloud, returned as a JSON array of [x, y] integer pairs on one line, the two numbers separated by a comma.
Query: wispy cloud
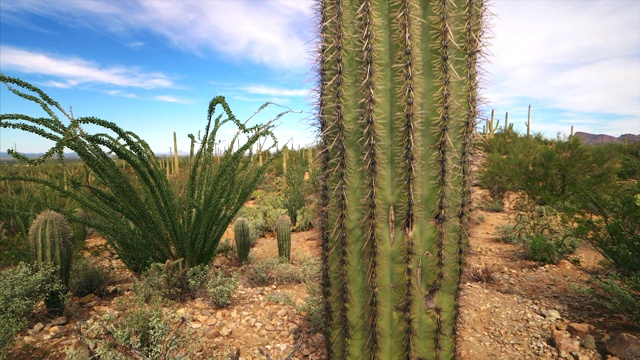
[[271, 91], [578, 57], [273, 33], [73, 71], [172, 99]]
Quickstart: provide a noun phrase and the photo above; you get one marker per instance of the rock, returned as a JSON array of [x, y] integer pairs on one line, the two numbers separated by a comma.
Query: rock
[[580, 330], [564, 264], [59, 321], [282, 312], [269, 327], [225, 331], [211, 321], [214, 333], [87, 299], [561, 326], [551, 314], [589, 342], [563, 343], [625, 346], [37, 328], [195, 325], [56, 331], [581, 356]]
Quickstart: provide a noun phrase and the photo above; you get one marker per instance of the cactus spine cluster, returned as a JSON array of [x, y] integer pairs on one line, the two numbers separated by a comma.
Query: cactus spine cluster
[[50, 237], [398, 85], [243, 238], [283, 232]]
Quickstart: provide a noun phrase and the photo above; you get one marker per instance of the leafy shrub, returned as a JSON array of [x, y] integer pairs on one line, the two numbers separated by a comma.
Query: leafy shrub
[[609, 221], [170, 281], [492, 205], [622, 294], [142, 331], [548, 249], [220, 288], [507, 234], [260, 272], [88, 278], [21, 288]]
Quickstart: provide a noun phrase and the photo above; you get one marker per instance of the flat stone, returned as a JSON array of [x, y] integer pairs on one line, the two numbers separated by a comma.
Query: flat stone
[[580, 330], [195, 325], [37, 327], [551, 314], [625, 346], [58, 321], [563, 343], [87, 299], [211, 321], [225, 331]]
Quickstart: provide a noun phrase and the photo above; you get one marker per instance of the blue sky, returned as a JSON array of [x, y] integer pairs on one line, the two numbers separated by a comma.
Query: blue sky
[[152, 66]]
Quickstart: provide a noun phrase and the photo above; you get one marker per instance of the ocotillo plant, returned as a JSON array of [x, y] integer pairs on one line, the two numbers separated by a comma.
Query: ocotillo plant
[[398, 84], [50, 237], [243, 238], [283, 232]]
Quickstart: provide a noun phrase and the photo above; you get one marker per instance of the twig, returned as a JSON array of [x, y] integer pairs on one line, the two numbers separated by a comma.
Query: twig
[[263, 352], [167, 339]]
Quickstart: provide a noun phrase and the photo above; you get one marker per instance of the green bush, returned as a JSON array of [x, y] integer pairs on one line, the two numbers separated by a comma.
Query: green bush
[[21, 288], [220, 289], [549, 249], [608, 219], [88, 278], [622, 294], [170, 281], [142, 331]]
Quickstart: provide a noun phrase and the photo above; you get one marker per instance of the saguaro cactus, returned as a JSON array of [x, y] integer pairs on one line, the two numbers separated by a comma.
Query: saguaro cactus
[[50, 237], [243, 238], [283, 232], [397, 108]]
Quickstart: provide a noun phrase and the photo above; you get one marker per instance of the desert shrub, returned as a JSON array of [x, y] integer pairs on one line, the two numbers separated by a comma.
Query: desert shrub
[[88, 278], [279, 298], [142, 331], [507, 234], [170, 281], [146, 216], [548, 172], [622, 294], [548, 249], [261, 272], [220, 289], [21, 288], [492, 205], [286, 273], [609, 221], [270, 215]]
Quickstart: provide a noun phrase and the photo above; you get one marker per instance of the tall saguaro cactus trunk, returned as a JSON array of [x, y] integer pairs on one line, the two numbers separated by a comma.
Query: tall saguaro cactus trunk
[[397, 108]]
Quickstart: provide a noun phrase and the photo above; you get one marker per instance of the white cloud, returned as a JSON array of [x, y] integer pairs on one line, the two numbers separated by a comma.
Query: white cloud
[[271, 91], [172, 99], [73, 71], [573, 56], [273, 33]]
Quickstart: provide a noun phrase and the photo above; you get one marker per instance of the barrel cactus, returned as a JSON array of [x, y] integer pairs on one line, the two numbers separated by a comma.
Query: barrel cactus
[[50, 237], [243, 238], [79, 230], [283, 232], [398, 93]]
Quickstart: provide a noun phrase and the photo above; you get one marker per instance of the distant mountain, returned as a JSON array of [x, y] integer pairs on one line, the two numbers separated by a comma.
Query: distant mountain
[[591, 139], [5, 156]]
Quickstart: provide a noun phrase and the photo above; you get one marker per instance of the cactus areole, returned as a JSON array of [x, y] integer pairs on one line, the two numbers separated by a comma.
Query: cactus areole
[[397, 108]]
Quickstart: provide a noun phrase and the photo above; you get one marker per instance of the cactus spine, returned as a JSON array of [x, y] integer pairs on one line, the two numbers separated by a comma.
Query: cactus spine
[[283, 232], [397, 108], [243, 238], [50, 237]]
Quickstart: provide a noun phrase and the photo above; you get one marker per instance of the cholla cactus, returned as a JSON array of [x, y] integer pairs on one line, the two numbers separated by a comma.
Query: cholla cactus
[[397, 108]]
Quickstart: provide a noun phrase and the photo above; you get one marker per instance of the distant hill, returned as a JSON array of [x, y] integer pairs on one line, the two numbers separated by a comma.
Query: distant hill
[[592, 139], [5, 156]]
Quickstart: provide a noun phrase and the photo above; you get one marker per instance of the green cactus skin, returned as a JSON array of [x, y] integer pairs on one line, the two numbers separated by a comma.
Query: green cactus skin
[[78, 230], [243, 238], [50, 237], [283, 232], [398, 94]]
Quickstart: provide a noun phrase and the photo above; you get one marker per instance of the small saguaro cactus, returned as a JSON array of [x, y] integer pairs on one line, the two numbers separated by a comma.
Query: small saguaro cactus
[[50, 237], [243, 238], [283, 231]]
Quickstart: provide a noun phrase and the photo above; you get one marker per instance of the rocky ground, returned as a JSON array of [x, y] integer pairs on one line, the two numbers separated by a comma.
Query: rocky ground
[[511, 308]]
